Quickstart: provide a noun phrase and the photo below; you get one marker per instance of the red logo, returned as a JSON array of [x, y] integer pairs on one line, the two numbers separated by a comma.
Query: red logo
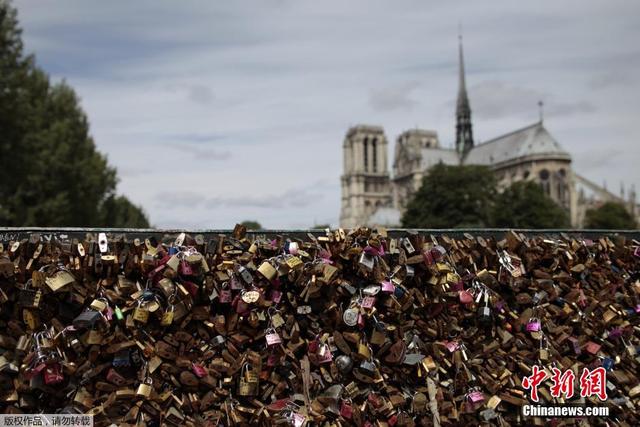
[[592, 383]]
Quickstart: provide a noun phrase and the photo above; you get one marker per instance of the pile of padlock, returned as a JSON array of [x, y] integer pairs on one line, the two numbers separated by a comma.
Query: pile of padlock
[[345, 328]]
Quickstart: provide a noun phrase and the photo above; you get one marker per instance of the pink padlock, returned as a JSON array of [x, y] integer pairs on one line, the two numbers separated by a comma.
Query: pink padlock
[[272, 337], [388, 287], [199, 370], [476, 396], [53, 374], [533, 325], [368, 302], [452, 345]]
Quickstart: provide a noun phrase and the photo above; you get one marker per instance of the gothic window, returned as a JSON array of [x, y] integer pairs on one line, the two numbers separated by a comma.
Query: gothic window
[[375, 155], [366, 154], [526, 174], [544, 174]]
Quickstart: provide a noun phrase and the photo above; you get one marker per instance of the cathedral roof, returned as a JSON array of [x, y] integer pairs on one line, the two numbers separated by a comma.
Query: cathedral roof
[[433, 156], [528, 141]]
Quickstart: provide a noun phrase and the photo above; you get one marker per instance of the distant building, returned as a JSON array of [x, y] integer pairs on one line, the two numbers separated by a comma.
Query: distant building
[[372, 196]]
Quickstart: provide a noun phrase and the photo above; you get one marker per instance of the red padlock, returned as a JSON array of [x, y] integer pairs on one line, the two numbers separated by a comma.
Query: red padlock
[[465, 297], [53, 374], [185, 268], [346, 410]]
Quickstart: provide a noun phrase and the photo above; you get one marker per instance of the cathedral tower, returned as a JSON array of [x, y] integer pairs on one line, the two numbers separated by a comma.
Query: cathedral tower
[[464, 131], [365, 182]]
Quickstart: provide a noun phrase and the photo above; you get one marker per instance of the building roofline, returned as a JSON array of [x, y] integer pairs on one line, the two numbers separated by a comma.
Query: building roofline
[[508, 134], [365, 128]]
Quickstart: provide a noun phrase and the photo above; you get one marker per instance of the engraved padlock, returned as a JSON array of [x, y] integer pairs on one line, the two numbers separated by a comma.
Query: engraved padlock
[[248, 383], [272, 337], [167, 316], [140, 313]]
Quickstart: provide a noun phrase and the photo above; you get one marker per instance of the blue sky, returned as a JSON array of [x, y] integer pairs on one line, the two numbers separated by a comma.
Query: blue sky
[[216, 112]]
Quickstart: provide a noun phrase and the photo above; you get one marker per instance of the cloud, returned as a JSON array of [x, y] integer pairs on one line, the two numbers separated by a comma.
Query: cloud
[[609, 79], [495, 100], [200, 152], [168, 199], [201, 94], [393, 98], [293, 198], [245, 104]]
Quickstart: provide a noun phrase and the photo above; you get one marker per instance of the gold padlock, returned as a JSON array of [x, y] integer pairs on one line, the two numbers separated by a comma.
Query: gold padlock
[[23, 344], [267, 270], [144, 389], [141, 314], [377, 337], [99, 305], [167, 316], [364, 350]]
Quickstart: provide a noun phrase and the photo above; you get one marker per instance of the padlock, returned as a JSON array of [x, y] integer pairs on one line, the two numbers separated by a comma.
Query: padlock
[[140, 313], [145, 388], [533, 325], [346, 409], [367, 368], [267, 270], [344, 364], [272, 337], [248, 383], [199, 370], [29, 298], [23, 344], [245, 275], [86, 319], [167, 316], [367, 261]]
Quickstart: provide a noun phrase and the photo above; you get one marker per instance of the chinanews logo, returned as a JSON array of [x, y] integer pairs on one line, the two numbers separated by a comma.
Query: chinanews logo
[[592, 383]]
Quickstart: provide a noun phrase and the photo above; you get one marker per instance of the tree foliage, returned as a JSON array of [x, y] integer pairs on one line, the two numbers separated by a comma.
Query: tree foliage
[[525, 205], [252, 225], [52, 173], [453, 196], [612, 216]]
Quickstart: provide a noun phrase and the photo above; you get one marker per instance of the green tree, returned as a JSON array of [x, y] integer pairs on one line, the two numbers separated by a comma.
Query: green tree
[[252, 225], [120, 212], [525, 205], [612, 216], [452, 196], [52, 173]]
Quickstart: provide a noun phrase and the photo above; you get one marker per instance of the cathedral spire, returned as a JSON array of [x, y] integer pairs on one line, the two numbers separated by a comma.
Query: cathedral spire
[[464, 132]]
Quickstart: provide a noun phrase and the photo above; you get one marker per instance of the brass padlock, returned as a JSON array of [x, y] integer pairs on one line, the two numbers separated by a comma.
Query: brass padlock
[[167, 316], [141, 314], [267, 270], [144, 389], [248, 384], [99, 304], [23, 344]]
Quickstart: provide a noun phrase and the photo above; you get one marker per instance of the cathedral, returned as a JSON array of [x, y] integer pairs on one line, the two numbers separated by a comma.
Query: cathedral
[[371, 195]]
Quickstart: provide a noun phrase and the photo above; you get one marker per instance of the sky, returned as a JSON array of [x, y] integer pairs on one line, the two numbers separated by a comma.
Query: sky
[[219, 112]]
